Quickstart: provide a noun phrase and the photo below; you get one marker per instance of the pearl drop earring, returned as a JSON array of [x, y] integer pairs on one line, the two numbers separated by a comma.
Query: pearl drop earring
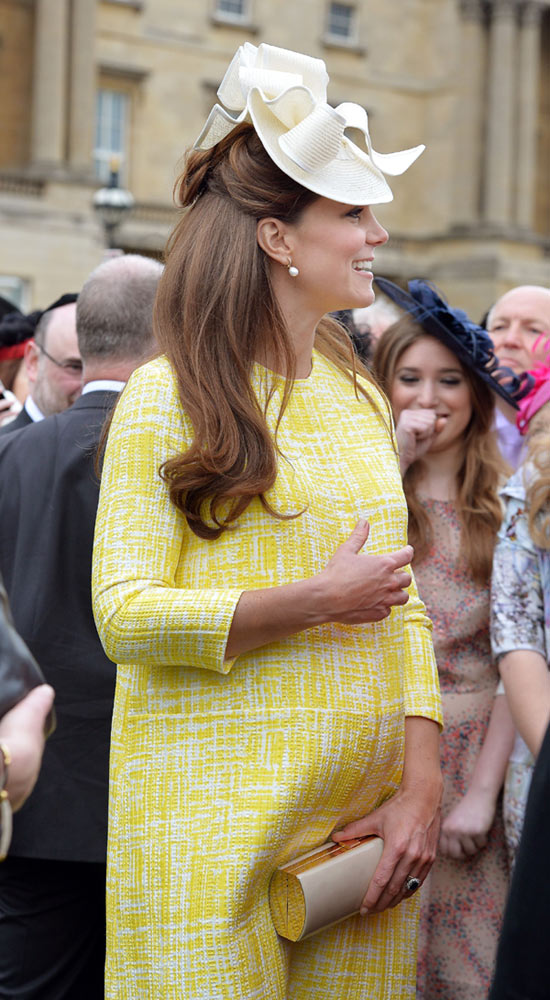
[[292, 270]]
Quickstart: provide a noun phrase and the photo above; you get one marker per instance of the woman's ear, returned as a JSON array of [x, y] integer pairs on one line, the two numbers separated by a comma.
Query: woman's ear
[[272, 236]]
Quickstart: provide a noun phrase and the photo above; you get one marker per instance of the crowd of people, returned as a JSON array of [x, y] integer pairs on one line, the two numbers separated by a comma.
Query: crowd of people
[[307, 515]]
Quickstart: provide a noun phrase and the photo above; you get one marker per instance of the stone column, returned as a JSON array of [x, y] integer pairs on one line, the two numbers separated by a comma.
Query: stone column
[[83, 89], [499, 159], [527, 110], [469, 122], [49, 99]]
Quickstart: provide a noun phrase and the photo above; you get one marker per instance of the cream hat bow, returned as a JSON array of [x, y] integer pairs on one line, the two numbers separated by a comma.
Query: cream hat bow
[[327, 150]]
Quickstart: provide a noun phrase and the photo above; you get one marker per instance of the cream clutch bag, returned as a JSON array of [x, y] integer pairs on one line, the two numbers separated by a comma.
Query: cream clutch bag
[[323, 886]]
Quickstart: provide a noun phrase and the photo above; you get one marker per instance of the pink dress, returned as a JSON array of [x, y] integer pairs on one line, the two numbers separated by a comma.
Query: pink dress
[[462, 901]]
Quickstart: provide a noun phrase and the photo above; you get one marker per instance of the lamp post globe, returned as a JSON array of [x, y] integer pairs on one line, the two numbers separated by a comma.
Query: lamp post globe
[[112, 204]]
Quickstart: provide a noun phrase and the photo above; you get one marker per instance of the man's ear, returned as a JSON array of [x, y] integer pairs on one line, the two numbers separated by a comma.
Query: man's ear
[[31, 358], [274, 239]]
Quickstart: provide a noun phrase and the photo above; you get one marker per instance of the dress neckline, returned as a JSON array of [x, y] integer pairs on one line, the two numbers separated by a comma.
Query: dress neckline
[[433, 502]]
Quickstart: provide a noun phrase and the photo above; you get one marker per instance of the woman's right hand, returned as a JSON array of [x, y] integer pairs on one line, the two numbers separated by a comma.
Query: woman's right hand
[[356, 587], [415, 432], [353, 589]]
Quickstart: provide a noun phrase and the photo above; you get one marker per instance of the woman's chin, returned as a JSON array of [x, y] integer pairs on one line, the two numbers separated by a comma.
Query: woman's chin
[[359, 300]]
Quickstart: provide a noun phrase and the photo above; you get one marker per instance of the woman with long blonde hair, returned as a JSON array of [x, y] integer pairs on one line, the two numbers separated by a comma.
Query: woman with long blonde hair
[[274, 683], [440, 374]]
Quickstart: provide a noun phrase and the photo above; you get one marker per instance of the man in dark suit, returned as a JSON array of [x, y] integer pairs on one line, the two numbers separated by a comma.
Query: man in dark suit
[[53, 365], [52, 885]]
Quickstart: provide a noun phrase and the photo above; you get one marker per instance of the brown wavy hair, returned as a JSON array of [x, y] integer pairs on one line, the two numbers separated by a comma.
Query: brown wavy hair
[[537, 491], [481, 471], [216, 314]]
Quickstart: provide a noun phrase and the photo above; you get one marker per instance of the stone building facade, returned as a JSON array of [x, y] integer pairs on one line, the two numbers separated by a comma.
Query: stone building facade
[[83, 80]]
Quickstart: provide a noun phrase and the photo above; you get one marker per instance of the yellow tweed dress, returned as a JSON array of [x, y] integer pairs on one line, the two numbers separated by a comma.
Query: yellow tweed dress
[[222, 770]]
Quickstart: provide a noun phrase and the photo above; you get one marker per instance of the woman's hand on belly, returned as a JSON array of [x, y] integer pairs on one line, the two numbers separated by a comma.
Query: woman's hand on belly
[[353, 589], [408, 823]]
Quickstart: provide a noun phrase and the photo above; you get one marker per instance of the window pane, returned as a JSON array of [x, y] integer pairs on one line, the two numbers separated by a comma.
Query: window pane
[[237, 8], [340, 20], [14, 289], [111, 127]]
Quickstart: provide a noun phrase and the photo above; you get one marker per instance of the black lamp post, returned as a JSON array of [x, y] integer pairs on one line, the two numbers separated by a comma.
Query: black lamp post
[[112, 203]]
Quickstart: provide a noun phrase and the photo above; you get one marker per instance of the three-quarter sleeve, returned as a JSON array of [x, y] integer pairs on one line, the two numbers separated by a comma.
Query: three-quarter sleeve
[[141, 615], [517, 605]]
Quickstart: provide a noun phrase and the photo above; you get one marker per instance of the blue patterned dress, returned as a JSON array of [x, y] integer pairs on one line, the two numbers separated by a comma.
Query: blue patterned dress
[[520, 619]]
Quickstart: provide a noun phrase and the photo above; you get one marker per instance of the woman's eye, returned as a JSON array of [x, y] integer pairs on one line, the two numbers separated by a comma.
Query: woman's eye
[[450, 381], [355, 213], [408, 379]]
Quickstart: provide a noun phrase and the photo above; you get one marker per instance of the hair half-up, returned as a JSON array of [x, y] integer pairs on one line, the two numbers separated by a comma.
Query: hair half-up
[[215, 315]]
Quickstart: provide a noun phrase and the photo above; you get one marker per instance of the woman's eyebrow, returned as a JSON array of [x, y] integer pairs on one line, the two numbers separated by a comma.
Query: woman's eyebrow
[[440, 371]]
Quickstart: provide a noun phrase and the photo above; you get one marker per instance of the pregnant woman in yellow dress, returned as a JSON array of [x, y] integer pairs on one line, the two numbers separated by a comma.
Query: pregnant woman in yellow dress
[[276, 679]]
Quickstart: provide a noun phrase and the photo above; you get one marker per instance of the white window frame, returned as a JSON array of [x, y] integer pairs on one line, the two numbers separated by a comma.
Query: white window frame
[[111, 132], [337, 38], [244, 16]]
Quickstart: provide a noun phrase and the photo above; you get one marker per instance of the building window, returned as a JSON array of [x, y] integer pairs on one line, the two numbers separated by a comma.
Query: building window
[[15, 290], [232, 10], [111, 133], [341, 23]]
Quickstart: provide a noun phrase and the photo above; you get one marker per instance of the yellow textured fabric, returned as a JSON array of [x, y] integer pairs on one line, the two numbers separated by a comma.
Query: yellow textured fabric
[[221, 771]]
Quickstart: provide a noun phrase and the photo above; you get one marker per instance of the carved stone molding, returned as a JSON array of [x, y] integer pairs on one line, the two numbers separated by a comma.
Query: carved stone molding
[[506, 10], [531, 12], [473, 10]]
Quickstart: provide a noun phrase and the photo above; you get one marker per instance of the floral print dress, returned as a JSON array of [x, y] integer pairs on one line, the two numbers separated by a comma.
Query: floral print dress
[[462, 900]]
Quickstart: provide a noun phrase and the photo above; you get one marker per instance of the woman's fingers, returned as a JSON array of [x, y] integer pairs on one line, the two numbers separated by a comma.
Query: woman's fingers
[[358, 536], [358, 587], [451, 847], [9, 406], [380, 891], [401, 580], [388, 880], [389, 883], [408, 853], [402, 557], [469, 846], [460, 847]]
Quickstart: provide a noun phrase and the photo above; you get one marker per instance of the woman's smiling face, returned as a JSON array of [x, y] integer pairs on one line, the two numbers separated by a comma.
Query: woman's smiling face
[[333, 247], [429, 376]]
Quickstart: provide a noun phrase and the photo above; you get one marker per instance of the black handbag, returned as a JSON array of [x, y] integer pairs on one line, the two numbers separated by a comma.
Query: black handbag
[[19, 674], [19, 671]]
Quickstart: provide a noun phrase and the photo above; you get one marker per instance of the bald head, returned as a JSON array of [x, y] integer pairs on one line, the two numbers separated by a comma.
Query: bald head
[[519, 325], [114, 316]]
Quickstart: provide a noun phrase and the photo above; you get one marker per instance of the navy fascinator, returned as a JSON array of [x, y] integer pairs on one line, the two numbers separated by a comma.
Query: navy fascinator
[[470, 343]]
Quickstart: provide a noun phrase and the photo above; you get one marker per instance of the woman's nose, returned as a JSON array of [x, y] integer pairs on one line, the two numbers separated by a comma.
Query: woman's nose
[[427, 396], [375, 234]]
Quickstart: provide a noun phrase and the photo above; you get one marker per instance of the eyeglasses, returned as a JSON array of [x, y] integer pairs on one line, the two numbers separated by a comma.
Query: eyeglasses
[[70, 367]]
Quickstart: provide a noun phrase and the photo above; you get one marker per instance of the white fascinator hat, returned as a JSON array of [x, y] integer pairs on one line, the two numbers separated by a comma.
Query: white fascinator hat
[[327, 150]]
